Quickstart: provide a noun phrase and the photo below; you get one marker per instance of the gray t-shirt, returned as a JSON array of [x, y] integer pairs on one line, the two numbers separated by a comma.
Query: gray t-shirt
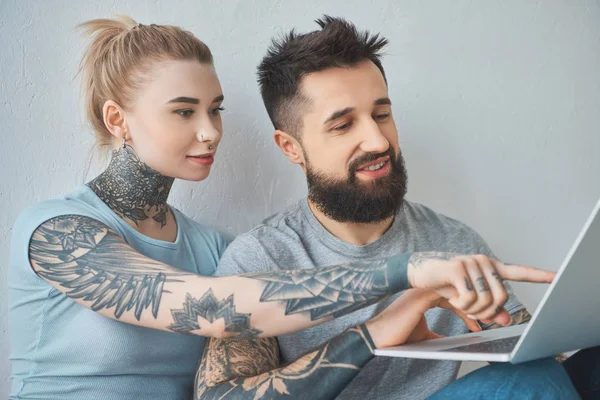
[[296, 239]]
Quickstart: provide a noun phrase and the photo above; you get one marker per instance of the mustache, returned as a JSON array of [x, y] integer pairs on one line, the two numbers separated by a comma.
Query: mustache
[[368, 157]]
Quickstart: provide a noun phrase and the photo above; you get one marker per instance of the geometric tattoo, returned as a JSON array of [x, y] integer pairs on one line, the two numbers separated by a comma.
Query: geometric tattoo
[[202, 315], [331, 291]]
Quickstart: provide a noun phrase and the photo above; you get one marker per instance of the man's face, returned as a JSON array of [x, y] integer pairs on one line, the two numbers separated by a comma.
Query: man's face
[[353, 163]]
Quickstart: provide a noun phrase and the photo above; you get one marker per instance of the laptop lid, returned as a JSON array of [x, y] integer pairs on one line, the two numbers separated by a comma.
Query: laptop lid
[[568, 315]]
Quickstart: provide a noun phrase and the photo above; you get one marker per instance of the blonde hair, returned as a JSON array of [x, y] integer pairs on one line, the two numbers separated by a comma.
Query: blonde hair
[[118, 58]]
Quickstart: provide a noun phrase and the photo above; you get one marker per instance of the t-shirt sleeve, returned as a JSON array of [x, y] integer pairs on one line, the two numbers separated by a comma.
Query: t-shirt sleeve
[[222, 243], [244, 255], [217, 244], [513, 305]]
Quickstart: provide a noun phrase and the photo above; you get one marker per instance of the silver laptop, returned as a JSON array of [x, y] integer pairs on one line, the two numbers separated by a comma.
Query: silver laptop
[[566, 319]]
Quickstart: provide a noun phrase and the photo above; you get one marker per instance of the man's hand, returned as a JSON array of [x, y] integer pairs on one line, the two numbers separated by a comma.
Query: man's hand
[[403, 321], [471, 283]]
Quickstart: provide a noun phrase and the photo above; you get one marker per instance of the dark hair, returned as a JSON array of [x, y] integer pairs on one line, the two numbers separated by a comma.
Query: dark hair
[[292, 57]]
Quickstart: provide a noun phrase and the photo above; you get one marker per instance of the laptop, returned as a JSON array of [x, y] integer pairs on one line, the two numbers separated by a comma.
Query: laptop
[[567, 318]]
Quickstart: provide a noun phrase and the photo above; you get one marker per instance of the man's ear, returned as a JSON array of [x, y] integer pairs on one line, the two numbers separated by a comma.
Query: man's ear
[[114, 120], [290, 147]]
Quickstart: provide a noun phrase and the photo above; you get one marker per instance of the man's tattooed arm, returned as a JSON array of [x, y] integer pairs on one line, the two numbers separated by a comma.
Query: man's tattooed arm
[[225, 360], [93, 265], [250, 369]]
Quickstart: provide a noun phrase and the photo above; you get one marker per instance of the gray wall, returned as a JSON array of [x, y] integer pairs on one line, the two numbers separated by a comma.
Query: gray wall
[[497, 103]]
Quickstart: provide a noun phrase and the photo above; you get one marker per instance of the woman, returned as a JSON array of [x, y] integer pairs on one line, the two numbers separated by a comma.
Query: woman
[[154, 99]]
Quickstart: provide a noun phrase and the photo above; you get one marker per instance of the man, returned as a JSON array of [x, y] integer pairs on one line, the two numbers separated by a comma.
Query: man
[[327, 97]]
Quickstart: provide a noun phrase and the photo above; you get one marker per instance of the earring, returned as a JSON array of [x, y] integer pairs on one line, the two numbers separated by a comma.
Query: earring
[[123, 143]]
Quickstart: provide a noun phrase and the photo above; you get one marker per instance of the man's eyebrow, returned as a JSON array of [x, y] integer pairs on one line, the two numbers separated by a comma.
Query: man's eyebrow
[[383, 101], [337, 114]]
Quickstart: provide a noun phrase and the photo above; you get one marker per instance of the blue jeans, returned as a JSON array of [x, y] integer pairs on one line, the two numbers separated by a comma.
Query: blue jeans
[[547, 379]]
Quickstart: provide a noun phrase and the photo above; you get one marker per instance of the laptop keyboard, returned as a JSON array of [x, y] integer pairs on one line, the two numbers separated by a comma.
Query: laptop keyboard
[[498, 346]]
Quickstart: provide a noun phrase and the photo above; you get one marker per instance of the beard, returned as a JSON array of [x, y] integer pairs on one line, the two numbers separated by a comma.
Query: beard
[[353, 200]]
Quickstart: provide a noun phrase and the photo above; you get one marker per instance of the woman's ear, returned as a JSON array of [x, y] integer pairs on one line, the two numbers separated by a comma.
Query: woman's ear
[[114, 120]]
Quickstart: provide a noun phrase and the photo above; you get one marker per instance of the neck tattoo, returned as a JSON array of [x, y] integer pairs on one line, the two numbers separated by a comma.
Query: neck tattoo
[[132, 189]]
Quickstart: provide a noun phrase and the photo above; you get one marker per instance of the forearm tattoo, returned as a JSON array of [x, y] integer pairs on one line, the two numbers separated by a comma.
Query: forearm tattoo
[[334, 291], [320, 374], [92, 263]]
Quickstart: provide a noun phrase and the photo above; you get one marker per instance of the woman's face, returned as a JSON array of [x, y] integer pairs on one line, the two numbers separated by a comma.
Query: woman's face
[[174, 123]]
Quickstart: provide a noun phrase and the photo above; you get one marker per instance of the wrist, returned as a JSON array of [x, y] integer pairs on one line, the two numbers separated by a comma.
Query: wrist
[[373, 330], [398, 272], [367, 337]]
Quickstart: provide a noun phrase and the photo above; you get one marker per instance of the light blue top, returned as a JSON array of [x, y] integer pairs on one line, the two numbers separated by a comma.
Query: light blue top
[[62, 350]]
